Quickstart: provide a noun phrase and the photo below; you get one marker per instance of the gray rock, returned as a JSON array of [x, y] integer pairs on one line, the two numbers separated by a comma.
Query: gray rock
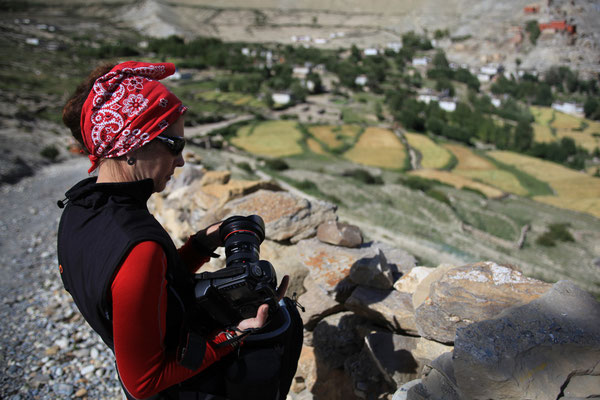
[[585, 386], [402, 358], [402, 392], [388, 308], [335, 338], [317, 304], [372, 272], [472, 293], [531, 351], [339, 234]]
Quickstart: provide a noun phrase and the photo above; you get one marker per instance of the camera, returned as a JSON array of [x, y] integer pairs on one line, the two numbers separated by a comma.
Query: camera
[[235, 292]]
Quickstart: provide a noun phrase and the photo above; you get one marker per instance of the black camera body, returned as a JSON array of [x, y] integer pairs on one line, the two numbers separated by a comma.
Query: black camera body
[[235, 292]]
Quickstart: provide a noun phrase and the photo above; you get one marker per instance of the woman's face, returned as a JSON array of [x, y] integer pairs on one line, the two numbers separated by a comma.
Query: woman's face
[[156, 161]]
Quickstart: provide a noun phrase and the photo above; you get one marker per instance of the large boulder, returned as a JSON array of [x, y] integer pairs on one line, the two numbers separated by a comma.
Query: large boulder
[[388, 308], [533, 351], [330, 266], [287, 217], [472, 293], [401, 358]]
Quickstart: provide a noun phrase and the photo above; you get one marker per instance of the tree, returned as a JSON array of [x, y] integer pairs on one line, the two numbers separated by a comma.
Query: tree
[[533, 29], [523, 138]]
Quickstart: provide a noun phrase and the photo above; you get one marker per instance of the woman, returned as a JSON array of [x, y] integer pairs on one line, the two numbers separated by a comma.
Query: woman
[[127, 278]]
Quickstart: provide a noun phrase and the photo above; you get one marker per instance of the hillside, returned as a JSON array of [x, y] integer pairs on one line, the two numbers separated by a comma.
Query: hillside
[[480, 32]]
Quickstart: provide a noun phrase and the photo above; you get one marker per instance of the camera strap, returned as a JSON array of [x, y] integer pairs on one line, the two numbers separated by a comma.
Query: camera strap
[[235, 340]]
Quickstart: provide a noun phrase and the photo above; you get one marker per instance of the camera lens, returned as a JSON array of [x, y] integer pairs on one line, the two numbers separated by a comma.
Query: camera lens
[[242, 237]]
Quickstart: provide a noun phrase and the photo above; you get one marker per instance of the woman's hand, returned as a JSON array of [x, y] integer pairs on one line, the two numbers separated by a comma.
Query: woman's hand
[[208, 239], [263, 311]]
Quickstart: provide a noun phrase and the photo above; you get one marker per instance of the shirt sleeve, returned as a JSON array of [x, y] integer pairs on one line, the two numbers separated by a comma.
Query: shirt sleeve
[[139, 296], [192, 258]]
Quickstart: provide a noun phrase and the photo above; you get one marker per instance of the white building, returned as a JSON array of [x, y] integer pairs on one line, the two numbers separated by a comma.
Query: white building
[[496, 102], [320, 41], [484, 77], [569, 108], [489, 70], [371, 52], [448, 105], [300, 72], [427, 98], [395, 46], [361, 80], [281, 98], [420, 61]]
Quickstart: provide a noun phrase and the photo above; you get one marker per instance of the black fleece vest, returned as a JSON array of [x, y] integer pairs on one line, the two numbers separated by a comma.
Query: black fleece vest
[[99, 226]]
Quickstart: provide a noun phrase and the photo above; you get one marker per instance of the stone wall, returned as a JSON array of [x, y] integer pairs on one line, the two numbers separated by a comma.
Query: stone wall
[[379, 326]]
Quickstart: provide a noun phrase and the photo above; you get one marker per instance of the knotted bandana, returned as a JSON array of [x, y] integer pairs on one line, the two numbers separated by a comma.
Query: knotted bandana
[[127, 108]]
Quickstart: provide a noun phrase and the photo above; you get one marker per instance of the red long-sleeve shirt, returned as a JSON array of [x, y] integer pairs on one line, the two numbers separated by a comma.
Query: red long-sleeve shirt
[[139, 304]]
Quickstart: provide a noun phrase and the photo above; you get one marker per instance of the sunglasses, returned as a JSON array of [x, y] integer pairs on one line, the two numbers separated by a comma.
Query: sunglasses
[[174, 143]]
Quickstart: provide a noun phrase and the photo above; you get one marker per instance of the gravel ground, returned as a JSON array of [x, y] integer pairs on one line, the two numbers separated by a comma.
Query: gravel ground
[[47, 351]]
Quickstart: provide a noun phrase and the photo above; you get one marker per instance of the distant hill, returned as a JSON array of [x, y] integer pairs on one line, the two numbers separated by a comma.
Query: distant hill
[[479, 32]]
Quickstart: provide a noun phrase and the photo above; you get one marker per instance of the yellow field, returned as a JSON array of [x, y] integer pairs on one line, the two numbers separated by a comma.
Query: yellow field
[[333, 135], [472, 166], [574, 190], [542, 115], [542, 133], [315, 146], [433, 155], [458, 181], [566, 126], [378, 147], [271, 138]]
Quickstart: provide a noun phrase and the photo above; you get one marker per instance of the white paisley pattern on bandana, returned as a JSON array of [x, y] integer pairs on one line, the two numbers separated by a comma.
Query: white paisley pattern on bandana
[[134, 104]]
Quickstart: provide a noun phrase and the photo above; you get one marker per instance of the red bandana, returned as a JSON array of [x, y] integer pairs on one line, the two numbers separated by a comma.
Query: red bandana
[[127, 108]]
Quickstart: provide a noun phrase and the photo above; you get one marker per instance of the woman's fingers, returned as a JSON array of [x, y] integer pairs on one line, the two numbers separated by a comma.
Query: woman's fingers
[[256, 322], [283, 287]]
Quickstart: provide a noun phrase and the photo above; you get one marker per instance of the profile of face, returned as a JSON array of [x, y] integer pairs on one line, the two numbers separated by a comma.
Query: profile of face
[[156, 160]]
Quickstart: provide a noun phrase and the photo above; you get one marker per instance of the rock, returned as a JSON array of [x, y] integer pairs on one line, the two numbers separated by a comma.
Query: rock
[[408, 283], [317, 304], [285, 261], [435, 385], [330, 266], [335, 338], [317, 378], [339, 234], [586, 386], [388, 308], [472, 293], [372, 272], [402, 392], [235, 189], [81, 392], [215, 177], [423, 288], [63, 389], [531, 351], [183, 177], [401, 358], [306, 373], [286, 216]]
